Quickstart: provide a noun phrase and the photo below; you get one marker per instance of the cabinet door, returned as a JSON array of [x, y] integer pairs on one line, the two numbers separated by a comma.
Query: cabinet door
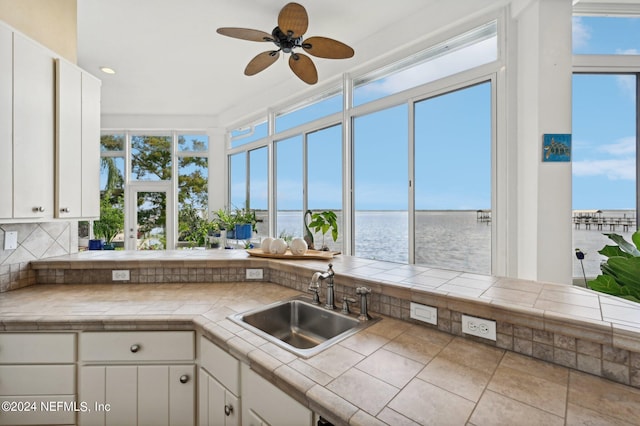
[[182, 395], [90, 146], [91, 389], [263, 402], [68, 140], [218, 406], [6, 123], [121, 392], [33, 129]]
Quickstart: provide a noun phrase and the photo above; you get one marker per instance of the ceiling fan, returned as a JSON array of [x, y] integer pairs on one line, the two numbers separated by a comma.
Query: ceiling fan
[[287, 36]]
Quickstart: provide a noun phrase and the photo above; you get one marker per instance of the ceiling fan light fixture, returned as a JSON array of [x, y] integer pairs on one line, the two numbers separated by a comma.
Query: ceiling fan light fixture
[[287, 36]]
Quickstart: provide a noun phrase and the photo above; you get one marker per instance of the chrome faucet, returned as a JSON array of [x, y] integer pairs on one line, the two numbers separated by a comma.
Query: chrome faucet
[[364, 309], [314, 287]]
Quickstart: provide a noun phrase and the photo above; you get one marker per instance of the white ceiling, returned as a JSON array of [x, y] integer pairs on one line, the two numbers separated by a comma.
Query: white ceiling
[[170, 60]]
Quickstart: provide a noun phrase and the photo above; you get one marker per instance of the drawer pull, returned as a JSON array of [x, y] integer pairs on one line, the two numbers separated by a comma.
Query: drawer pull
[[135, 348], [228, 409], [184, 378]]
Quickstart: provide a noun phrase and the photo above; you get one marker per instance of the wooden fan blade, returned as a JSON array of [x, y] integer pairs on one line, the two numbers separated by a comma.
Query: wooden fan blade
[[293, 18], [245, 34], [303, 67], [324, 47], [261, 62]]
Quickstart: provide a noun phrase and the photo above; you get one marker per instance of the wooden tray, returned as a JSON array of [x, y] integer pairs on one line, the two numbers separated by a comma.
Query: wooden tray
[[310, 254]]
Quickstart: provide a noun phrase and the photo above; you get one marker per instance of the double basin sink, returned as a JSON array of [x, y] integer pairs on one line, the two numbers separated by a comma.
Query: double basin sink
[[299, 326]]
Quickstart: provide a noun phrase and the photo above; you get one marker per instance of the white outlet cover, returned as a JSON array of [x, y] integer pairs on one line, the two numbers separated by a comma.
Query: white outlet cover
[[479, 327], [120, 275], [424, 313], [254, 274], [10, 240]]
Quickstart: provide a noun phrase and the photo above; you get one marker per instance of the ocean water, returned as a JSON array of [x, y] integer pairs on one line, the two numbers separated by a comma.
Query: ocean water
[[445, 239]]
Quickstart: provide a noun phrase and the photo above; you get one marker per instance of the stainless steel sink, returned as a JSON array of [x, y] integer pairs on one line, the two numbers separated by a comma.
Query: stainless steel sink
[[300, 326]]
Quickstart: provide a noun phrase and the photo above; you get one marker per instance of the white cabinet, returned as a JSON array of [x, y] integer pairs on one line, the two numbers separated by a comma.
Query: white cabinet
[[77, 142], [6, 122], [33, 129], [39, 178], [37, 378], [144, 378], [219, 387], [264, 404]]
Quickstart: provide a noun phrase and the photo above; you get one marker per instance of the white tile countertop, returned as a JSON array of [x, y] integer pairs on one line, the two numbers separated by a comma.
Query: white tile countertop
[[397, 371]]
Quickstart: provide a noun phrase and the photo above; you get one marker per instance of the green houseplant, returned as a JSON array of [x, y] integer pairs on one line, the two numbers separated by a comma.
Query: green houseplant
[[621, 271], [324, 222], [111, 221]]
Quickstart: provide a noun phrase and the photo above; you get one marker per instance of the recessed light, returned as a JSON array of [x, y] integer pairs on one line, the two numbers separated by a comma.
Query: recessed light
[[107, 70]]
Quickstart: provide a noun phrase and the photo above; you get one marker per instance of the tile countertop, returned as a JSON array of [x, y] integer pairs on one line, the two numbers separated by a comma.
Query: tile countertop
[[346, 383]]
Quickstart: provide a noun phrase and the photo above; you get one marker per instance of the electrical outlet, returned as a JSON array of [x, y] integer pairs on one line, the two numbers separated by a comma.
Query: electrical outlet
[[479, 327], [10, 240], [424, 313], [254, 274], [121, 275]]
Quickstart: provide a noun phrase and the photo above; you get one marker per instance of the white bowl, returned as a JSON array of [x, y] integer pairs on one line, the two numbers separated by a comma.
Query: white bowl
[[298, 246]]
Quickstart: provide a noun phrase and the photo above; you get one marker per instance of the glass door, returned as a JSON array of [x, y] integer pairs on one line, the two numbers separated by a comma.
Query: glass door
[[150, 220]]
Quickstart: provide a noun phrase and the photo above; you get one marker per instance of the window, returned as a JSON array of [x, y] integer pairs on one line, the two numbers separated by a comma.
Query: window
[[289, 187], [249, 134], [468, 50], [380, 185], [312, 110], [238, 179], [259, 188], [606, 35], [605, 113], [453, 180], [151, 157]]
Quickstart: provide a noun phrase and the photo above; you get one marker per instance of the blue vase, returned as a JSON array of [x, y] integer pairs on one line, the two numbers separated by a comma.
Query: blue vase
[[243, 231]]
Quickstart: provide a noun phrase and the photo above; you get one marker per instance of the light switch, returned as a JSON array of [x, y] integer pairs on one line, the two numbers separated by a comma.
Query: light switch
[[10, 240]]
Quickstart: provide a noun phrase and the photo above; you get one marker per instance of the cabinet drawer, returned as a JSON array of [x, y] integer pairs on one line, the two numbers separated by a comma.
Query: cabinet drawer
[[37, 348], [137, 346], [221, 365], [43, 410], [37, 379]]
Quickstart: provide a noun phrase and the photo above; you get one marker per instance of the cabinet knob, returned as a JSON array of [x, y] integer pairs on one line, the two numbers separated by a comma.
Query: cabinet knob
[[38, 209], [228, 409], [184, 378], [65, 210], [135, 348]]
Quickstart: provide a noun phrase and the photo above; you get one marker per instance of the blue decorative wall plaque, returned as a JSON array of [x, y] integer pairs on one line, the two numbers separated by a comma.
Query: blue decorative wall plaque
[[556, 147]]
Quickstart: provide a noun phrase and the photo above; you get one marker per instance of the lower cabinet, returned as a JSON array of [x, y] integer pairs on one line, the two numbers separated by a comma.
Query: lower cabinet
[[263, 404], [144, 395], [37, 378], [139, 378], [218, 405]]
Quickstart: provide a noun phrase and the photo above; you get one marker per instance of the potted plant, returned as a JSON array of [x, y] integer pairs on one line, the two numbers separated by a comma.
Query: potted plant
[[111, 222], [245, 223], [323, 222], [226, 221]]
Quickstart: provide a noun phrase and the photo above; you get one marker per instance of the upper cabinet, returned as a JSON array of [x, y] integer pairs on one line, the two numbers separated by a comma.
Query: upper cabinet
[[6, 125], [77, 142], [33, 129], [49, 134]]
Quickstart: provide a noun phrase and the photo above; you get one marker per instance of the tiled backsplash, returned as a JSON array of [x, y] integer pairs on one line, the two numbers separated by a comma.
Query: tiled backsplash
[[35, 241]]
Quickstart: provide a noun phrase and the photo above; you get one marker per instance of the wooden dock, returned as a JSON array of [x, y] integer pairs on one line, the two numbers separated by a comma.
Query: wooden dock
[[594, 219]]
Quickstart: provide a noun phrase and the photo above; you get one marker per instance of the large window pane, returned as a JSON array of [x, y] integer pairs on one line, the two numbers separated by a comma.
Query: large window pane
[[309, 112], [109, 142], [324, 177], [604, 163], [250, 134], [453, 180], [289, 186], [258, 188], [193, 208], [380, 170], [606, 35], [150, 158], [466, 51], [238, 179]]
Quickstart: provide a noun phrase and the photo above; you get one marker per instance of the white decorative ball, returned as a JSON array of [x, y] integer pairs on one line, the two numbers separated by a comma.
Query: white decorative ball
[[266, 245], [298, 246], [278, 246]]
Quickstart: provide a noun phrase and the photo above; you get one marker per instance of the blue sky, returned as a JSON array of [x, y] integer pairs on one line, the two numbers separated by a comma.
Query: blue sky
[[452, 136]]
